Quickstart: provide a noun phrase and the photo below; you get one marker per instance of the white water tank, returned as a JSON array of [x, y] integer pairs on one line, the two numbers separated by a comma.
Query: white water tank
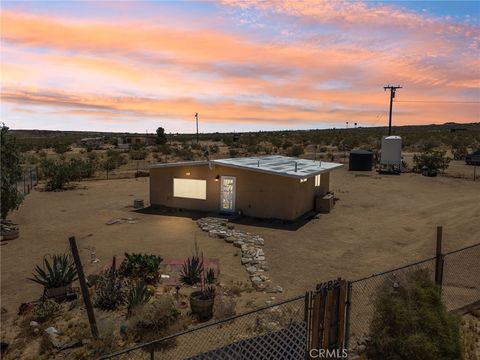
[[391, 151]]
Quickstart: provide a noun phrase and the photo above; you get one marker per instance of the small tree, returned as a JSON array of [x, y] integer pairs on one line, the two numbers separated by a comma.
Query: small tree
[[411, 322], [161, 137], [11, 198], [433, 159], [57, 173]]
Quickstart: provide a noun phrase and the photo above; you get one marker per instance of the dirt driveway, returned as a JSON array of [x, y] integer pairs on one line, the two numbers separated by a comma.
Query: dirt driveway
[[378, 223]]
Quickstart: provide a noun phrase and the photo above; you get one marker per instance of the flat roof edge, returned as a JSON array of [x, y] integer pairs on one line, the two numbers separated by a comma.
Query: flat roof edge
[[180, 163], [265, 171]]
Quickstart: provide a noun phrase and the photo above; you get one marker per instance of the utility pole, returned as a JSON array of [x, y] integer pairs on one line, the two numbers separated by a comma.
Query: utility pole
[[392, 95], [196, 118]]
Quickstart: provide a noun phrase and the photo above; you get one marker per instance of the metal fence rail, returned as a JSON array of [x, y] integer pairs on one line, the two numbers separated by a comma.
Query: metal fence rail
[[28, 181], [277, 329]]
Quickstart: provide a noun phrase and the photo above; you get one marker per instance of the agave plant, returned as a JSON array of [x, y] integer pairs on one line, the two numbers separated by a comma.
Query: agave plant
[[58, 271], [210, 276], [192, 270], [139, 294]]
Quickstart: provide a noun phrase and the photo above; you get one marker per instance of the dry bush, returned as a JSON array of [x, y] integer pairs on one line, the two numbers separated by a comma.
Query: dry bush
[[153, 318]]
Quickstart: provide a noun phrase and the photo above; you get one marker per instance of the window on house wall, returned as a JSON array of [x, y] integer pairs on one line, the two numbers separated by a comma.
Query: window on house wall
[[190, 188], [317, 180]]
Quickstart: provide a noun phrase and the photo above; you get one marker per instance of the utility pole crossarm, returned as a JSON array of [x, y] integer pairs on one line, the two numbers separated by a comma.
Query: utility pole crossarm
[[392, 89]]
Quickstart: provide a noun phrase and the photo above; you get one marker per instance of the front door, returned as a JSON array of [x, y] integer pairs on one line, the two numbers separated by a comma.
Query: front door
[[227, 193]]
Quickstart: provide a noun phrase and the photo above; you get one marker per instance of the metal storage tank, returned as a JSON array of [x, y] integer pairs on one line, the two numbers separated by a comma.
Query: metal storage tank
[[360, 160], [391, 151]]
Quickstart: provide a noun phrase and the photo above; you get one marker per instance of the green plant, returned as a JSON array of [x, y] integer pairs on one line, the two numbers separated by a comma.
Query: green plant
[[210, 276], [109, 290], [433, 159], [207, 292], [191, 271], [295, 150], [411, 322], [139, 294], [138, 154], [57, 272], [141, 266], [57, 173], [11, 198], [45, 310]]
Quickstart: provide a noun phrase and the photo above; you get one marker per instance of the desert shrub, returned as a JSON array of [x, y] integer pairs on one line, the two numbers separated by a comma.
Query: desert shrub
[[295, 150], [109, 290], [141, 266], [138, 154], [81, 169], [161, 136], [61, 148], [411, 322], [138, 294], [164, 149], [57, 270], [45, 310], [113, 160], [184, 153], [213, 149], [459, 152], [233, 152], [154, 317], [191, 271], [57, 173], [434, 160]]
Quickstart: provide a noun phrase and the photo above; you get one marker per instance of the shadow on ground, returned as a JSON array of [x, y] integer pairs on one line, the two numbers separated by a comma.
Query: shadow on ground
[[235, 219]]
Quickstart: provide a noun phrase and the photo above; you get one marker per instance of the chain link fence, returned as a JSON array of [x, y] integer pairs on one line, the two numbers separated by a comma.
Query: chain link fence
[[277, 330], [461, 277], [460, 288], [280, 331]]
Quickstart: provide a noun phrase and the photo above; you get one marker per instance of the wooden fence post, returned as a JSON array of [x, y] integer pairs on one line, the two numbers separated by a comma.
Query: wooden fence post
[[83, 286], [439, 258]]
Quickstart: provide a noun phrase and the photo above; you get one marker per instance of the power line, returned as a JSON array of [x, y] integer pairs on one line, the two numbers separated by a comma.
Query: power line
[[439, 101], [392, 89]]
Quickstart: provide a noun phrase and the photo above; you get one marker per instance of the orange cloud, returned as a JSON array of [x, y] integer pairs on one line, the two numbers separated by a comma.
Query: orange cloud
[[121, 70]]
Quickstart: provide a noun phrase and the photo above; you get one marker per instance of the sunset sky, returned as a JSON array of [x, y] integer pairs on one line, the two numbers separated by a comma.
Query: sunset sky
[[242, 65]]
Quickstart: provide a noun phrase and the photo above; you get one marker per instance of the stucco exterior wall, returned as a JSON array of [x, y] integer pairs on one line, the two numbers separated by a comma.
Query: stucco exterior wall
[[257, 194]]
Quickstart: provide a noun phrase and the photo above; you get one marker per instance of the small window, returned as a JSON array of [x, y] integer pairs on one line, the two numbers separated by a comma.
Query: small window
[[190, 188], [317, 180]]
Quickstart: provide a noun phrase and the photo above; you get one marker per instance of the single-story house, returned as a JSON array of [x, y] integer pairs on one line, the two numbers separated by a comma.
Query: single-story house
[[277, 187], [124, 142]]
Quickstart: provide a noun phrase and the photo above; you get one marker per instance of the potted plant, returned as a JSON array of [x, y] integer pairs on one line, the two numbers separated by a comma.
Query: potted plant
[[56, 275], [202, 301]]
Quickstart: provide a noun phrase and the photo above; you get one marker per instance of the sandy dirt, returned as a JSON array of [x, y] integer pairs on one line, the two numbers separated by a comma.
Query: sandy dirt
[[378, 223]]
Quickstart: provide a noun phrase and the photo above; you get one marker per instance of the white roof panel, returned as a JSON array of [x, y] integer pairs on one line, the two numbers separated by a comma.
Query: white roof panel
[[280, 165]]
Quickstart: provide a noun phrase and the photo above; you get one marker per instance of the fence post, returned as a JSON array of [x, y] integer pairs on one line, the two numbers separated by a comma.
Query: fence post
[[307, 318], [31, 179], [347, 317], [152, 354], [439, 258], [24, 185], [83, 286]]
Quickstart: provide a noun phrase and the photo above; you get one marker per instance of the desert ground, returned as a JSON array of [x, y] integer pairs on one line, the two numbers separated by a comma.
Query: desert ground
[[379, 222]]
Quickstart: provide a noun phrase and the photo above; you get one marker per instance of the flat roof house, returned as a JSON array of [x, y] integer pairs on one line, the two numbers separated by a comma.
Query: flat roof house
[[276, 187]]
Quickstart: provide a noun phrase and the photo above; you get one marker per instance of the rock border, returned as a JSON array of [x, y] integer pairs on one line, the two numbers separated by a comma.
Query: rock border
[[251, 245]]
